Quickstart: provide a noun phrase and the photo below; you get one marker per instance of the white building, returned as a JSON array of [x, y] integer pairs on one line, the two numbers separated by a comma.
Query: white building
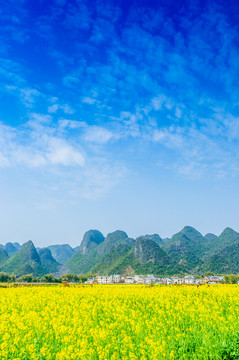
[[177, 280], [109, 279], [116, 279], [101, 279], [213, 279], [139, 279], [159, 281], [90, 280], [189, 280], [129, 280], [199, 281], [150, 279], [166, 281]]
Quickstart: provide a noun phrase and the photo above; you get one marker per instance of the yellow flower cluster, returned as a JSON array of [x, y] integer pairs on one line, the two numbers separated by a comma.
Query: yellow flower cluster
[[119, 322]]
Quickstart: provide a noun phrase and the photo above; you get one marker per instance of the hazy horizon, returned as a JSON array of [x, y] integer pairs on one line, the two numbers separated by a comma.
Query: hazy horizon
[[117, 115]]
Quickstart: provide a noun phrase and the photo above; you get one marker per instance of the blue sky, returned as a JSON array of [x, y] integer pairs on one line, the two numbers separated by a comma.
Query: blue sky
[[117, 115]]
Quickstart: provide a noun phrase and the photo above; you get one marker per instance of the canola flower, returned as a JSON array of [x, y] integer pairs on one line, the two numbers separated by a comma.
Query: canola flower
[[119, 322]]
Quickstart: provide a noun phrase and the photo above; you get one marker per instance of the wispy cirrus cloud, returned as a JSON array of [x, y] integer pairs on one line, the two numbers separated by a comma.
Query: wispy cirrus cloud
[[97, 135], [134, 77], [42, 145]]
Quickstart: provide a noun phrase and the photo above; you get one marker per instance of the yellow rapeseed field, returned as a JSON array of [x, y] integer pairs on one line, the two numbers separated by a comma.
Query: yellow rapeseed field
[[120, 322]]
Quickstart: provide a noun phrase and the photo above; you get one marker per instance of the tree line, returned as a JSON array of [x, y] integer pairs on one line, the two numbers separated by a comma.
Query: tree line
[[48, 278]]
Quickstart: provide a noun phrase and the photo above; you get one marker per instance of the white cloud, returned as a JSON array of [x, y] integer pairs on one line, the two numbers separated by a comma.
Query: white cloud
[[100, 177], [67, 109], [98, 135], [38, 144], [171, 137], [130, 123], [40, 118], [63, 154], [88, 100], [27, 156], [38, 126], [28, 96], [53, 108], [191, 169], [178, 112], [158, 102], [72, 124]]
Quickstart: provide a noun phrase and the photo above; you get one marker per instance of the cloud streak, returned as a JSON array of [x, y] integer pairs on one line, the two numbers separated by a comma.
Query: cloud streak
[[127, 79]]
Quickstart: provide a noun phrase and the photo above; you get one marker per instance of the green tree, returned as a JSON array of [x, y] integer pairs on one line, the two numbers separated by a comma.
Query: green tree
[[231, 279], [4, 277], [27, 278], [49, 278], [82, 278]]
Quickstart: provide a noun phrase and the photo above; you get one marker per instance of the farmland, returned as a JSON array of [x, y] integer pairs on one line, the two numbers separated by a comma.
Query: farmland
[[119, 322]]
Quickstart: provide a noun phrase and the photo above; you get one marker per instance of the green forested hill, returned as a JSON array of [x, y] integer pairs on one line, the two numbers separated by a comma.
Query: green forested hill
[[3, 256], [186, 252], [11, 249], [91, 239], [25, 261], [225, 261], [49, 264], [86, 257], [118, 252], [61, 253], [155, 237], [217, 244], [187, 248], [98, 253], [210, 237]]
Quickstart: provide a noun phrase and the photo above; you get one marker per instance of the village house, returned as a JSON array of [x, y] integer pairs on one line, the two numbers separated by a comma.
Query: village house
[[150, 279], [213, 279], [139, 279], [199, 281], [166, 281], [90, 281], [101, 279], [129, 280], [116, 278], [159, 281], [189, 280], [177, 280]]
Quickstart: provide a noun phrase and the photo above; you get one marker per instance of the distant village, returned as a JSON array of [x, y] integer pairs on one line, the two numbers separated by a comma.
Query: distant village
[[151, 279]]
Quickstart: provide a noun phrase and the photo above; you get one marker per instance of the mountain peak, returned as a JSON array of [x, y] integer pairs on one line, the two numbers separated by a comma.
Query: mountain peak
[[117, 235], [91, 239], [17, 245], [10, 249], [228, 236], [229, 231], [210, 236], [154, 237], [28, 243], [26, 258], [61, 253], [28, 251], [190, 230]]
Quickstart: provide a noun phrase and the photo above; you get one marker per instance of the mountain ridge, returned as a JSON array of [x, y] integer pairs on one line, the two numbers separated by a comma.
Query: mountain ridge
[[186, 252]]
